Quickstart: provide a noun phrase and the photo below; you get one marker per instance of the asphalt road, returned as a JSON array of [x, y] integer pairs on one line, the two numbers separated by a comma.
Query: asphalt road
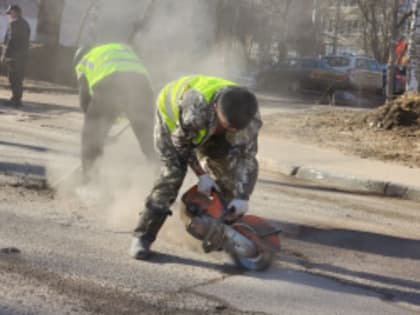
[[342, 253]]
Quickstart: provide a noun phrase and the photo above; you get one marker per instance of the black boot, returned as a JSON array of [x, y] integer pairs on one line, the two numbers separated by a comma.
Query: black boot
[[149, 225]]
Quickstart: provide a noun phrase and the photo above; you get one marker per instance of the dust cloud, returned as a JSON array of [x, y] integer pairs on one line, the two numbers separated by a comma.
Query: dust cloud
[[122, 180], [176, 38], [173, 38], [125, 181], [116, 193], [180, 38]]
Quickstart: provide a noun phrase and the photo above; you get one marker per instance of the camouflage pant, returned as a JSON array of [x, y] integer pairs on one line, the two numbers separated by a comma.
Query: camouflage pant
[[213, 155]]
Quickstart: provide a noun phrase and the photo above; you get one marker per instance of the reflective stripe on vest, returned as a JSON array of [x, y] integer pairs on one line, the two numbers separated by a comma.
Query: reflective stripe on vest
[[104, 60], [169, 98]]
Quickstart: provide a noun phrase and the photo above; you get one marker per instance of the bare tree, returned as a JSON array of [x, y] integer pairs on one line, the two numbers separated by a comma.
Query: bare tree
[[413, 64], [336, 25], [49, 21], [278, 14], [375, 14], [285, 24], [383, 21]]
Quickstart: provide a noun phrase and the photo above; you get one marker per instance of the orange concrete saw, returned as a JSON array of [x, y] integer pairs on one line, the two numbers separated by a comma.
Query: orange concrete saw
[[251, 241]]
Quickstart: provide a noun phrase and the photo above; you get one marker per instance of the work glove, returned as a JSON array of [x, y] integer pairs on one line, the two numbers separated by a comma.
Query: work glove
[[206, 184], [238, 207]]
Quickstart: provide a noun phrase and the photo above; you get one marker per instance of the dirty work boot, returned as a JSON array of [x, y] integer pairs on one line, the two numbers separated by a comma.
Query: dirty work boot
[[149, 225], [15, 103], [140, 248]]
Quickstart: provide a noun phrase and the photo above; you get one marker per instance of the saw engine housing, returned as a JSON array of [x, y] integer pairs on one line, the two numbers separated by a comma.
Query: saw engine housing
[[250, 240]]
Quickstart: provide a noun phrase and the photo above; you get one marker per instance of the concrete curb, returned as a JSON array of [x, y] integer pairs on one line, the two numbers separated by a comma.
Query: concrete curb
[[338, 181], [27, 181], [350, 183]]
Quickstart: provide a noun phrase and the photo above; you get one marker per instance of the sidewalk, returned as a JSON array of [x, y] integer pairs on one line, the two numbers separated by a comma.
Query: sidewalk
[[335, 169]]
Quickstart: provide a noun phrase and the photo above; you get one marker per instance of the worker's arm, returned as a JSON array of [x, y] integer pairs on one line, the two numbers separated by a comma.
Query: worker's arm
[[242, 157], [194, 116], [6, 49], [9, 41], [84, 94]]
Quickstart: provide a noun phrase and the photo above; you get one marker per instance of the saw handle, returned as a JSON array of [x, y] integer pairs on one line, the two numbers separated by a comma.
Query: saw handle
[[227, 213]]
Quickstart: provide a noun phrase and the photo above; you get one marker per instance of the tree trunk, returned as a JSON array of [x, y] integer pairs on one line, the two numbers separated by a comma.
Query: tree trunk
[[412, 82], [337, 25], [48, 34], [49, 21]]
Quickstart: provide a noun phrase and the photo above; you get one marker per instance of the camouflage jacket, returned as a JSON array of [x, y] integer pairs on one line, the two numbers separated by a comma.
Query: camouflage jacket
[[196, 114]]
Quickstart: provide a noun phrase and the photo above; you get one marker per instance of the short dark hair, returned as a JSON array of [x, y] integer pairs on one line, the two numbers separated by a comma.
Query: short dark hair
[[238, 106], [13, 7]]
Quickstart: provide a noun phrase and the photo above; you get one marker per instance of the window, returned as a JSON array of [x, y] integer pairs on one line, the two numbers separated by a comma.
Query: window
[[362, 64], [338, 61], [309, 63], [373, 65]]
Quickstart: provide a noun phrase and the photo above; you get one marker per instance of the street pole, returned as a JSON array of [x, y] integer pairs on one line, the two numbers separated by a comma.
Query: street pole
[[337, 25], [412, 83]]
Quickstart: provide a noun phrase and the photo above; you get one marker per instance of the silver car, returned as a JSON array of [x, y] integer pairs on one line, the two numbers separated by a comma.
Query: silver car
[[364, 73]]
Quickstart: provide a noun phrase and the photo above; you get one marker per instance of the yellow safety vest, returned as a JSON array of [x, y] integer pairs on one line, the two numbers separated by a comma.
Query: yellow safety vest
[[171, 95], [103, 60]]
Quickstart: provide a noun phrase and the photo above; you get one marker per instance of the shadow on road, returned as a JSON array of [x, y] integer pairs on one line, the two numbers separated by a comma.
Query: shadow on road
[[163, 258], [356, 282], [23, 169], [314, 187], [24, 146], [388, 287], [408, 284], [38, 107], [48, 88], [373, 243], [330, 277], [35, 148], [10, 310]]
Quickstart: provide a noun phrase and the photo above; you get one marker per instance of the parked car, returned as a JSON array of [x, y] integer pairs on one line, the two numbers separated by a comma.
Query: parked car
[[291, 74], [334, 79], [364, 74], [303, 76]]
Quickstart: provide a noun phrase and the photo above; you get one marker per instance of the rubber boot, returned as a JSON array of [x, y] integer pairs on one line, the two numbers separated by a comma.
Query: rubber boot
[[149, 225]]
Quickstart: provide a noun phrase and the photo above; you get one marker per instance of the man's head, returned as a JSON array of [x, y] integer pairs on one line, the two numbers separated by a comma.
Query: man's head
[[14, 11], [235, 108]]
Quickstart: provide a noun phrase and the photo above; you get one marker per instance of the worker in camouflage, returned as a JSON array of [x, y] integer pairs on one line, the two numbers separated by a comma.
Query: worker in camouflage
[[211, 125]]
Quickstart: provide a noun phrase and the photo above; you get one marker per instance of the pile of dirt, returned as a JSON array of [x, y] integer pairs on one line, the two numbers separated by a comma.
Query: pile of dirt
[[402, 112], [388, 133]]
